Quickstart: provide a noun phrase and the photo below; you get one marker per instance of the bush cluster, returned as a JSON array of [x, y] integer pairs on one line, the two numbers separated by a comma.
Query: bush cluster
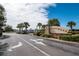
[[47, 35], [42, 34], [70, 38], [38, 33]]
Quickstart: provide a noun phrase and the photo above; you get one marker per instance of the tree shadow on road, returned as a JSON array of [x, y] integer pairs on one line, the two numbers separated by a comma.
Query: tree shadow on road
[[4, 37]]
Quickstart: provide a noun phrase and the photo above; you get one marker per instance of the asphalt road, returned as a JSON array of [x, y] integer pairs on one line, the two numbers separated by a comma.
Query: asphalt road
[[29, 45]]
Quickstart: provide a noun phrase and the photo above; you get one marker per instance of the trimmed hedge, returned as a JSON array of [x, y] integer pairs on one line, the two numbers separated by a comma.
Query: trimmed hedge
[[70, 38]]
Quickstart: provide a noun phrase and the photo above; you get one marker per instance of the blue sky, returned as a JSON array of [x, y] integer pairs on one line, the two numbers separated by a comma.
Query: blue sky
[[65, 12]]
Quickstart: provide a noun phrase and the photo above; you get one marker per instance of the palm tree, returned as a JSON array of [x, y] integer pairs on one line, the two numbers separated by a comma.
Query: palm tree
[[71, 24], [26, 25], [20, 26], [43, 28], [53, 22], [39, 25], [2, 18]]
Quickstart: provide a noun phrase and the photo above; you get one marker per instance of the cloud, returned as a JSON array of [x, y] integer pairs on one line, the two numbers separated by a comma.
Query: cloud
[[32, 13]]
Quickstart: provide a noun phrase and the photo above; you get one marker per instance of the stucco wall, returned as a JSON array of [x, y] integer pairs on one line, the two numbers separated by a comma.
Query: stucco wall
[[56, 29]]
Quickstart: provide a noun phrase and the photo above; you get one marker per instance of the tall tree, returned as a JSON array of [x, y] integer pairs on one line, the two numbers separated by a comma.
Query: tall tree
[[43, 28], [39, 25], [2, 18], [53, 22], [26, 25], [20, 26], [71, 24]]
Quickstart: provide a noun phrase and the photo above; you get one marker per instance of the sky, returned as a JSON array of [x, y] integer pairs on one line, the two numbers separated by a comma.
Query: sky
[[34, 13], [65, 12]]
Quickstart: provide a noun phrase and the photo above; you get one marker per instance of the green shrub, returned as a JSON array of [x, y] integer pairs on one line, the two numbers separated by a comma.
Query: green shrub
[[38, 33], [46, 35], [70, 38]]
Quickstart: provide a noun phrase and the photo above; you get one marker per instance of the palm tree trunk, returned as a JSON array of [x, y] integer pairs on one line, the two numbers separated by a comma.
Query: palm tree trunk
[[26, 30], [19, 29], [49, 29], [71, 29], [22, 29], [39, 27], [0, 31]]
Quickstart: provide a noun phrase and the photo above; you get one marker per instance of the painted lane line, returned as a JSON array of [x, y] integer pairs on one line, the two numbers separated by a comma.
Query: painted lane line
[[16, 46], [34, 47]]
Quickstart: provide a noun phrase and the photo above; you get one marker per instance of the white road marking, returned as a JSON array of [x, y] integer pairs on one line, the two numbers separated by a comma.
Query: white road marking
[[32, 40], [38, 41], [16, 46], [41, 43], [34, 47]]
